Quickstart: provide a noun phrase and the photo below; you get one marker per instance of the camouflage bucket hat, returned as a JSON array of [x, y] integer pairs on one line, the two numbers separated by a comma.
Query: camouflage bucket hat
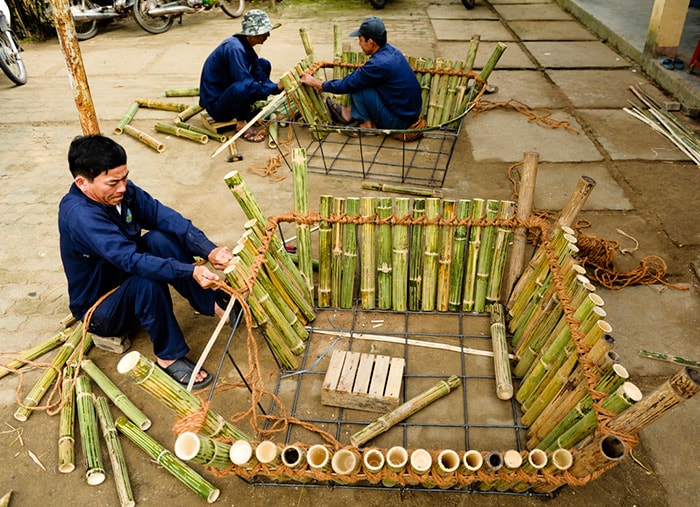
[[256, 22]]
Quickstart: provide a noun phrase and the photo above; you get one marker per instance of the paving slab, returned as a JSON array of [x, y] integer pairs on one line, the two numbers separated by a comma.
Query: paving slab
[[526, 86], [446, 29], [532, 11], [513, 57], [550, 30], [575, 54], [458, 11]]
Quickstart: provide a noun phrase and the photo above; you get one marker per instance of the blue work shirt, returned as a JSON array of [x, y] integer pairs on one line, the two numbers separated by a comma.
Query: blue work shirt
[[100, 247], [389, 73]]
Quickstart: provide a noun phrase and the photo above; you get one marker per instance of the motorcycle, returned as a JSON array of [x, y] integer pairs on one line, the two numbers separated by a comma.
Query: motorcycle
[[10, 59], [154, 16]]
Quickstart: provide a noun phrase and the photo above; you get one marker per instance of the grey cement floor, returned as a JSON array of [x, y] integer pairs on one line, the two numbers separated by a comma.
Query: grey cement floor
[[645, 188]]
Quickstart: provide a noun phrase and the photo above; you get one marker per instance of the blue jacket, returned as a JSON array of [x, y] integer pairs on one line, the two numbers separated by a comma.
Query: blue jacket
[[100, 247], [388, 71]]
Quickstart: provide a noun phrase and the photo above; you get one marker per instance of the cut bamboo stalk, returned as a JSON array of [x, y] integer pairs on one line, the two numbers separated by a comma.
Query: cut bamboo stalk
[[430, 254], [536, 460], [384, 253], [162, 105], [89, 435], [501, 364], [399, 255], [373, 462], [484, 74], [385, 422], [598, 455], [471, 53], [116, 453], [203, 450], [420, 462], [188, 113], [483, 269], [337, 51], [128, 116], [242, 454], [147, 375], [325, 251], [368, 254], [168, 461], [512, 461], [146, 139], [433, 100], [294, 457], [182, 92], [301, 206], [396, 461], [200, 130], [415, 258], [452, 95], [398, 188], [319, 458], [115, 394], [445, 261], [183, 133], [269, 454], [308, 48], [338, 232], [345, 462], [37, 351], [669, 359], [559, 462], [478, 211], [66, 435], [463, 209], [446, 463], [347, 289], [500, 253], [472, 461]]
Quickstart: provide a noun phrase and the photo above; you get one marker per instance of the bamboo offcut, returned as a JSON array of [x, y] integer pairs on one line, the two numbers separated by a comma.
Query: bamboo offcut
[[301, 206], [33, 353], [501, 363], [116, 454], [66, 437], [128, 116], [190, 135], [190, 446], [368, 254], [89, 436], [146, 139]]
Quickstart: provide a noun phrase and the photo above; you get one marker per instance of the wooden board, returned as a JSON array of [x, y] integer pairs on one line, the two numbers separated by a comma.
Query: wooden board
[[363, 381], [218, 126]]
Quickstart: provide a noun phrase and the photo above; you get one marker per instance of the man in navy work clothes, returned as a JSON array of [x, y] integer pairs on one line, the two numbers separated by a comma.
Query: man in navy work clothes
[[234, 77], [384, 92], [100, 221]]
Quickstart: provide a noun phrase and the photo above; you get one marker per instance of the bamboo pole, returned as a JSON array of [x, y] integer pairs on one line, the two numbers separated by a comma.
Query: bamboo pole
[[337, 51], [670, 359], [242, 454], [501, 364], [452, 96], [399, 188], [182, 92], [445, 261], [200, 130], [188, 113], [399, 255], [116, 453], [598, 455], [183, 133], [396, 461], [483, 269], [500, 253], [115, 394], [34, 352], [301, 206], [385, 422], [368, 254], [89, 436], [190, 446], [478, 212], [146, 139], [384, 253], [147, 375], [66, 435], [462, 212], [128, 116], [338, 233], [168, 461], [484, 74], [559, 462], [415, 257], [162, 105], [430, 254], [325, 252], [347, 290]]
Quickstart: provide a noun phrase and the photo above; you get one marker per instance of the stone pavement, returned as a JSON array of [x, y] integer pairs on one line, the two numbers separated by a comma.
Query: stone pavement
[[645, 188]]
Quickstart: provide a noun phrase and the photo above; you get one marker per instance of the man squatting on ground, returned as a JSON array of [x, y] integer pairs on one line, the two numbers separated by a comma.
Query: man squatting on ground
[[384, 92], [234, 77], [100, 221]]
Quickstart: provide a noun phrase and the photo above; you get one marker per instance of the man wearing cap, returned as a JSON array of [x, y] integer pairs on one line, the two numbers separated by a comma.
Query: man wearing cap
[[234, 77], [384, 92]]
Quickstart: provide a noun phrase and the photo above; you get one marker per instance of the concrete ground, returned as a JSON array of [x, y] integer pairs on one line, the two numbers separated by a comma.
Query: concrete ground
[[645, 189]]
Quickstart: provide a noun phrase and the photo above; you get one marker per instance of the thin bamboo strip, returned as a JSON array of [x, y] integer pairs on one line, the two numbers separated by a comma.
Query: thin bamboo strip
[[301, 206], [415, 267], [89, 436], [66, 435], [501, 247], [325, 250], [147, 375], [483, 269], [201, 130], [463, 210], [431, 240], [347, 288], [501, 364], [183, 133], [128, 116], [115, 394], [399, 255], [338, 232], [116, 453], [202, 450], [368, 254], [188, 113], [34, 352], [477, 212], [384, 253], [167, 460], [445, 261], [162, 105]]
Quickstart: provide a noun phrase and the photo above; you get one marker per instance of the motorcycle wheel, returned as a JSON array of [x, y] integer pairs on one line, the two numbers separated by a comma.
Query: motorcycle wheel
[[151, 24], [469, 4], [10, 60], [378, 4], [233, 8], [84, 30]]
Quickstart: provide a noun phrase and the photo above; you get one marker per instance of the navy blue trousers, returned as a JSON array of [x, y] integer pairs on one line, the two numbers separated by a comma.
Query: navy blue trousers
[[367, 104], [237, 103], [140, 301]]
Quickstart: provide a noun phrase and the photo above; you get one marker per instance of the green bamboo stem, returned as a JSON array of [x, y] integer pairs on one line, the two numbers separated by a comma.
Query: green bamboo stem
[[325, 250], [399, 255], [301, 206], [399, 188], [42, 385], [168, 461], [115, 394], [368, 254], [188, 113], [559, 462], [471, 53], [308, 48], [116, 454], [182, 92], [434, 106], [128, 116], [384, 254], [501, 250], [321, 113], [425, 80], [30, 354], [483, 269], [293, 88], [203, 450], [66, 431], [415, 259], [462, 212], [422, 400], [200, 130], [337, 51], [89, 435], [478, 212], [152, 379], [484, 74], [183, 133], [347, 290], [452, 96], [162, 105], [431, 240], [445, 261], [501, 363], [669, 359], [338, 233], [146, 139]]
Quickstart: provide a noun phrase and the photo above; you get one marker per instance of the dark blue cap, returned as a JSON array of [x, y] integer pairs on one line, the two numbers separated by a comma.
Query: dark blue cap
[[371, 28]]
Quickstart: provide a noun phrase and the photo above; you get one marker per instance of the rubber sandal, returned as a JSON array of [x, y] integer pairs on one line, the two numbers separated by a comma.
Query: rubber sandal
[[181, 371], [678, 64], [253, 135], [667, 63], [336, 112]]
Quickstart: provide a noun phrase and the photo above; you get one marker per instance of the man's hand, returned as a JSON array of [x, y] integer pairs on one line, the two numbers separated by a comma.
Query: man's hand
[[220, 257], [312, 81], [205, 278]]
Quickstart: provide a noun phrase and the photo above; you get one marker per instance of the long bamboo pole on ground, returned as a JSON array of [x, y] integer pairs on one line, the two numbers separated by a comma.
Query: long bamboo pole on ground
[[461, 233], [338, 233], [478, 212], [430, 254], [368, 254], [66, 436], [399, 255], [445, 261], [501, 363], [415, 256], [384, 260], [34, 352], [89, 434], [483, 269], [116, 453], [325, 236], [347, 290], [385, 422], [301, 206]]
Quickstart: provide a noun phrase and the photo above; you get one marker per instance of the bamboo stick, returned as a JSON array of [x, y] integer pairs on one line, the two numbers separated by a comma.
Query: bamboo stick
[[483, 269], [385, 422], [670, 359], [337, 51], [345, 462], [500, 253], [128, 116], [338, 233], [31, 354], [183, 133], [600, 454], [445, 261], [168, 461], [319, 458], [325, 252], [147, 375], [420, 462], [347, 289], [146, 139], [484, 74], [399, 255], [471, 53], [115, 394], [301, 206], [431, 240], [66, 435], [384, 253], [182, 92], [501, 364], [200, 130], [89, 436], [188, 113], [116, 453], [433, 95], [462, 212], [242, 454], [190, 446], [452, 96], [396, 461], [478, 212], [399, 188], [162, 105], [373, 462], [559, 462], [368, 254], [308, 48], [415, 258]]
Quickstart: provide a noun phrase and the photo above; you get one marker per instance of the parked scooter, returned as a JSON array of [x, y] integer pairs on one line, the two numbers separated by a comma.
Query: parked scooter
[[157, 16], [10, 59], [89, 15]]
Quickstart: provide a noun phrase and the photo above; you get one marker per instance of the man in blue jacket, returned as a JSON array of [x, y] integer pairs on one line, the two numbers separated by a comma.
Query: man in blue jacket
[[234, 77], [101, 221], [384, 92]]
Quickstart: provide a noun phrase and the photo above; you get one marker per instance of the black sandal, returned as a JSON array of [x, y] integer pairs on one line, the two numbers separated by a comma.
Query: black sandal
[[181, 371], [336, 112]]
